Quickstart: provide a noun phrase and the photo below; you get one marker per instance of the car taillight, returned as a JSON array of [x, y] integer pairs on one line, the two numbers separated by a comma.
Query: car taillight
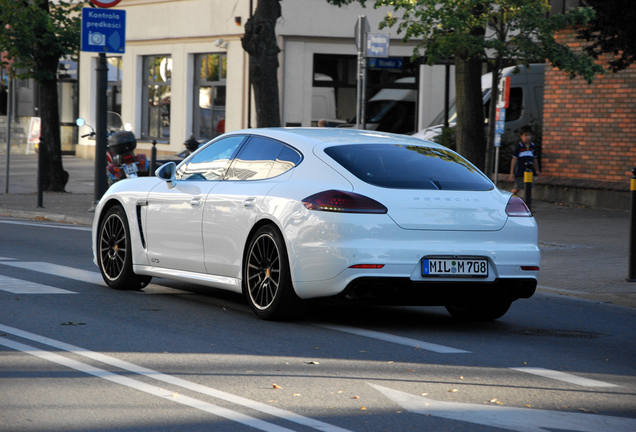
[[530, 268], [343, 202], [367, 266], [517, 208]]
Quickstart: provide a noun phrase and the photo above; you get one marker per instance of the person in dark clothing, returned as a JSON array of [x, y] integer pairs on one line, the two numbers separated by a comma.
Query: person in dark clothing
[[524, 152]]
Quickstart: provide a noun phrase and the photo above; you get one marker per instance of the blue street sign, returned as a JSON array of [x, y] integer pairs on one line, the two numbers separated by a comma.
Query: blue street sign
[[500, 121], [497, 140], [103, 30], [386, 63], [378, 44]]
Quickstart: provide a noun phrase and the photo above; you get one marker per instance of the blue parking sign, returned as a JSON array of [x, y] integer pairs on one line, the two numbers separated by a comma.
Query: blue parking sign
[[103, 30]]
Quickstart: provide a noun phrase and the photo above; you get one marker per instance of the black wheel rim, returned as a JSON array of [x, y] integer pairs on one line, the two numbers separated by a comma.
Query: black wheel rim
[[263, 272], [113, 246]]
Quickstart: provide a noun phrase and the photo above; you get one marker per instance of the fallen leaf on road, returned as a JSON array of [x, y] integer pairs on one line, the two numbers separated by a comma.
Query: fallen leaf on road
[[356, 397], [452, 391], [296, 394], [362, 408], [313, 362], [493, 400], [587, 410], [425, 394], [276, 386]]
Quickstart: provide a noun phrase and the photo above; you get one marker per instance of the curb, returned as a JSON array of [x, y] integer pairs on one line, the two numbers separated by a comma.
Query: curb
[[53, 217]]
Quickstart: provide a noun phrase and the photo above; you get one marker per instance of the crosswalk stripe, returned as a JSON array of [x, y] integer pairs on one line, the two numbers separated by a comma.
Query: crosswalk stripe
[[146, 388], [170, 379], [565, 377], [393, 339], [19, 286], [58, 270]]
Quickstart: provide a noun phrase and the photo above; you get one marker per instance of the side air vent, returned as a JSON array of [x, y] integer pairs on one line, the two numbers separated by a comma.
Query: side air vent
[[141, 228]]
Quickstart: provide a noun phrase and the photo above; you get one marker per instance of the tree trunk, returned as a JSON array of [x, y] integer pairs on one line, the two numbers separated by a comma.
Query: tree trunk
[[469, 131], [54, 176], [260, 43]]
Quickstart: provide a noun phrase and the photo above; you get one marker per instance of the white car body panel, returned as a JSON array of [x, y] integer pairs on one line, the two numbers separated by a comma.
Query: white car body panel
[[203, 241]]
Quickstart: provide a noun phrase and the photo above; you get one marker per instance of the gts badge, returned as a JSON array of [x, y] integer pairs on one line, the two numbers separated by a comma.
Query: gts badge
[[154, 260]]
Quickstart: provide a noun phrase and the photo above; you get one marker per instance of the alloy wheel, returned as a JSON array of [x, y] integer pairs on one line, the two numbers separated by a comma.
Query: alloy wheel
[[263, 271], [113, 246]]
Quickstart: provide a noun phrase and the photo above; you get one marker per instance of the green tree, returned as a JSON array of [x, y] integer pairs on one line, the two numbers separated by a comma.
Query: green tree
[[612, 31], [35, 34], [260, 43], [500, 32]]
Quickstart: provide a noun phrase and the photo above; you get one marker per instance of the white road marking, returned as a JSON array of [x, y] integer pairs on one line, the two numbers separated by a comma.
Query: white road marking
[[18, 286], [517, 419], [393, 339], [59, 270], [146, 388], [6, 259], [228, 397], [46, 225], [562, 376]]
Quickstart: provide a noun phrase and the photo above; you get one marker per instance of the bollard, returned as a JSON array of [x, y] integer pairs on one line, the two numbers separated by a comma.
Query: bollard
[[41, 173], [153, 158], [527, 180], [632, 230]]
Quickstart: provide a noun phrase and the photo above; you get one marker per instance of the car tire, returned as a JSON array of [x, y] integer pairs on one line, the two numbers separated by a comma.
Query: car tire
[[480, 312], [267, 282], [114, 252]]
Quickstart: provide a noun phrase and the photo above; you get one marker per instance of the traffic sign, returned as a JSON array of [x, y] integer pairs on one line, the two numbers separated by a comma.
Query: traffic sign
[[386, 63], [500, 122], [378, 44], [105, 3], [504, 92], [103, 31]]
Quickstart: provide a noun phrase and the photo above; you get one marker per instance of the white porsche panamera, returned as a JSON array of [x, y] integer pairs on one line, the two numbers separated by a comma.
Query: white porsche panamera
[[285, 215]]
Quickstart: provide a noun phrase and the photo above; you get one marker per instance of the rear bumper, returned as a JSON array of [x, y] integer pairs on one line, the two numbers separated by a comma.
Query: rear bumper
[[404, 291]]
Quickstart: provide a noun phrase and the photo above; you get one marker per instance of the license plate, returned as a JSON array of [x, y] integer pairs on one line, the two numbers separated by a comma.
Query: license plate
[[130, 169], [453, 267]]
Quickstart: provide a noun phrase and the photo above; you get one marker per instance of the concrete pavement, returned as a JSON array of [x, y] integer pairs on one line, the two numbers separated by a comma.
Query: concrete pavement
[[584, 250]]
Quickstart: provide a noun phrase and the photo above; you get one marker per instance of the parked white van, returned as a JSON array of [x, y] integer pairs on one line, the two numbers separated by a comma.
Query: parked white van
[[525, 105]]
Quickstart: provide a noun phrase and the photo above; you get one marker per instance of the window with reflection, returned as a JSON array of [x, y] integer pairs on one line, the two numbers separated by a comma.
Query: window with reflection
[[157, 76], [208, 120], [262, 158], [211, 162]]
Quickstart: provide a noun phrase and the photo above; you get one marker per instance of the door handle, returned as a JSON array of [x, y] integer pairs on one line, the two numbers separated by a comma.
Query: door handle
[[195, 202], [249, 203]]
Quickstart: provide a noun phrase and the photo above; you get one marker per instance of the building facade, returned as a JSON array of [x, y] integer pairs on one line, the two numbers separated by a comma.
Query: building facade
[[185, 72]]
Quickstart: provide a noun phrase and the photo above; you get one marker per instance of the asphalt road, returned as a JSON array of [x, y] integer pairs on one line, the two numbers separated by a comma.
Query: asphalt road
[[77, 356]]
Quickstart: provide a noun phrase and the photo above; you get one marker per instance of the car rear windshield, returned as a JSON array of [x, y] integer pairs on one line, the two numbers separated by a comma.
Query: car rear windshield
[[409, 167]]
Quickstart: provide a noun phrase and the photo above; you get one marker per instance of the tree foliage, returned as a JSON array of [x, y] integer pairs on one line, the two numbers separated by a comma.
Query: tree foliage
[[612, 31], [500, 32], [33, 31], [35, 34]]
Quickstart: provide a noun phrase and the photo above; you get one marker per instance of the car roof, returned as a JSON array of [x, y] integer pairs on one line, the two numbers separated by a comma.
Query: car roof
[[305, 138]]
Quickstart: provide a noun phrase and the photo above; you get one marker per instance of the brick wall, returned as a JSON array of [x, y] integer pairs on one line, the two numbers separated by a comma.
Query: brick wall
[[589, 131]]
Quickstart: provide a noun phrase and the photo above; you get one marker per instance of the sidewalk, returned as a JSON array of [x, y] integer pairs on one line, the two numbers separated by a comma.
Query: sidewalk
[[584, 251]]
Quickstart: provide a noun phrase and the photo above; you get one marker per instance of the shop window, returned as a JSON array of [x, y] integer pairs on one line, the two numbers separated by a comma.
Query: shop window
[[157, 74], [208, 119], [113, 91]]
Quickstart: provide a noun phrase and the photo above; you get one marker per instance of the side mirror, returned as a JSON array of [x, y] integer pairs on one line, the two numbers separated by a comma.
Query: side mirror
[[167, 172], [80, 122]]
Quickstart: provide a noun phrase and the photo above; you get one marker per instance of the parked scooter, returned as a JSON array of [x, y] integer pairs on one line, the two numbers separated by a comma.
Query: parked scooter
[[121, 161]]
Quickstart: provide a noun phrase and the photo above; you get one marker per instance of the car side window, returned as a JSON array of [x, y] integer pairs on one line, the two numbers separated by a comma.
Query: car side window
[[211, 162], [262, 158]]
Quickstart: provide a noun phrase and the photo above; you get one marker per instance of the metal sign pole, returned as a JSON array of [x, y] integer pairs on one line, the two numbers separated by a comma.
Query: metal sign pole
[[9, 115], [100, 128], [359, 32]]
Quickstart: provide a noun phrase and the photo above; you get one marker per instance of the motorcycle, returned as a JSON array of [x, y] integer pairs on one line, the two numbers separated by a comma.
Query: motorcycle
[[121, 161]]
